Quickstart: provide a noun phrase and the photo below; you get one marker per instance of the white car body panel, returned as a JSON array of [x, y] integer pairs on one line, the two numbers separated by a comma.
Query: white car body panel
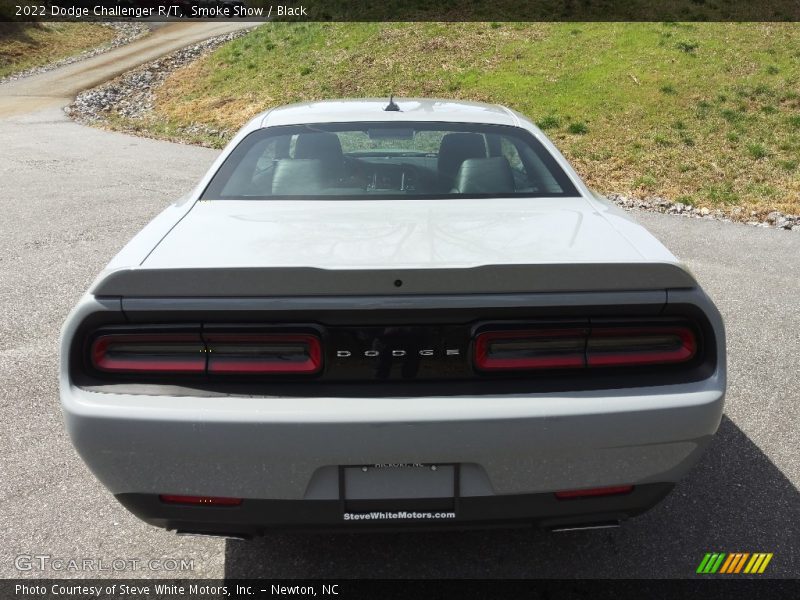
[[389, 234], [412, 109]]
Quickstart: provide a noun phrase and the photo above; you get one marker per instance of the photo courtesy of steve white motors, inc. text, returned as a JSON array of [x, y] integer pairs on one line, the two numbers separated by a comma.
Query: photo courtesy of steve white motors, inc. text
[[193, 590]]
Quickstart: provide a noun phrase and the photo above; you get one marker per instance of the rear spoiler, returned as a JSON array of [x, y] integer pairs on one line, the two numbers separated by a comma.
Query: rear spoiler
[[309, 281]]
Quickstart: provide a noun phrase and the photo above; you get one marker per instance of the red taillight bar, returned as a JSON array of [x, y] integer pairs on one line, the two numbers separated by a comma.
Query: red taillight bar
[[533, 349], [267, 353], [156, 352], [578, 347], [214, 353], [616, 490], [621, 346], [200, 500]]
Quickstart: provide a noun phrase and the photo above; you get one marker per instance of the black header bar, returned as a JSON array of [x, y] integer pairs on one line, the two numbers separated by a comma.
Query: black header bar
[[401, 10], [712, 588]]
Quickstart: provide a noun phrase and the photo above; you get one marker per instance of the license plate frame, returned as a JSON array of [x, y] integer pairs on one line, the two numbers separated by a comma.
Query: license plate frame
[[381, 487]]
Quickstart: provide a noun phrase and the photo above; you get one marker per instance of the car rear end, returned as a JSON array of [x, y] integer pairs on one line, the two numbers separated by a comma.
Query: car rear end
[[235, 415], [404, 322]]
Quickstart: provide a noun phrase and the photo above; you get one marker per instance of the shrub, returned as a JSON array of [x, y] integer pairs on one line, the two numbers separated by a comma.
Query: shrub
[[731, 115], [647, 182], [661, 140], [757, 151], [722, 194], [548, 122], [578, 128]]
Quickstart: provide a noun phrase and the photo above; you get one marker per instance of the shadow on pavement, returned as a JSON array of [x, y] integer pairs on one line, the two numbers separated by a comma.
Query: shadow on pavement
[[735, 500]]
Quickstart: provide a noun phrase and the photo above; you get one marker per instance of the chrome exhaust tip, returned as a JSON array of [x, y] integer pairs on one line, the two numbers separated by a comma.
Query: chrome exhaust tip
[[585, 527], [208, 534]]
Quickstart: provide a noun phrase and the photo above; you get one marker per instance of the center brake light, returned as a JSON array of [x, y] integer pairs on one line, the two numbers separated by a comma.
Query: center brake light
[[584, 347], [223, 353]]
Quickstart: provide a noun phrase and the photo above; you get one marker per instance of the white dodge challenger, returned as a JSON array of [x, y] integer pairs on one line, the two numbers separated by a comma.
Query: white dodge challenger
[[402, 314]]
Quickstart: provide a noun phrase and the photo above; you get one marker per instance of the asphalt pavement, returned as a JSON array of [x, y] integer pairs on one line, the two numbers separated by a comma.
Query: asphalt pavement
[[72, 196]]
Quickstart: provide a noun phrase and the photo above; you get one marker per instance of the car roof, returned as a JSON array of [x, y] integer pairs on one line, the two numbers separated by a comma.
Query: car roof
[[372, 109]]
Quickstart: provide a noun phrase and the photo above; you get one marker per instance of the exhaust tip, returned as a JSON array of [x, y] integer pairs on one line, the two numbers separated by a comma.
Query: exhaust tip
[[585, 526], [240, 537]]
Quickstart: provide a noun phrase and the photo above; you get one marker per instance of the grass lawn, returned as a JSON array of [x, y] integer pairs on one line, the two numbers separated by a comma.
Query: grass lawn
[[27, 45], [704, 113]]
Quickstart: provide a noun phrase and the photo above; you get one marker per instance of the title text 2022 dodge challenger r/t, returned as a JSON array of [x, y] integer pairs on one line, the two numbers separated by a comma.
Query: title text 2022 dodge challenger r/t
[[413, 316]]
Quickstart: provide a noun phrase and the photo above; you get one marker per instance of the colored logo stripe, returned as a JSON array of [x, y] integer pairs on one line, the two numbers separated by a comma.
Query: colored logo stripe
[[731, 560], [734, 563], [721, 562], [740, 564], [758, 563], [704, 563], [711, 562]]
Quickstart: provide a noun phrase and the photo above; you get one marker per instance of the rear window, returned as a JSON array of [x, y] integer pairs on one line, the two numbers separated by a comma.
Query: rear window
[[389, 160]]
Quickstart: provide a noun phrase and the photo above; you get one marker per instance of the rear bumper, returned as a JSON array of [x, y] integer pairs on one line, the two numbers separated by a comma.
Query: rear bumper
[[282, 455], [255, 517]]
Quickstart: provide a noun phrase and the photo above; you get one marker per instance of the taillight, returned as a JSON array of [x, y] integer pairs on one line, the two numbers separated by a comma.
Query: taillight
[[234, 353], [542, 349], [215, 352], [618, 346], [616, 490], [137, 353], [584, 347], [200, 500]]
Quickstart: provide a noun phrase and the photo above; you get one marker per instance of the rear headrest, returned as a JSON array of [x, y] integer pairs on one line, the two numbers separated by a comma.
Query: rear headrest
[[297, 177], [325, 146], [484, 176], [454, 149]]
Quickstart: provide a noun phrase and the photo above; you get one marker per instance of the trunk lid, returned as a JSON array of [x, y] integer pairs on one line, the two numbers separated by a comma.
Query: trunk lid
[[379, 247]]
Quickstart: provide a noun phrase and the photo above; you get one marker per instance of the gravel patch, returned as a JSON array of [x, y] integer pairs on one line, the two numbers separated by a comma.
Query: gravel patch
[[131, 95], [774, 219], [125, 33]]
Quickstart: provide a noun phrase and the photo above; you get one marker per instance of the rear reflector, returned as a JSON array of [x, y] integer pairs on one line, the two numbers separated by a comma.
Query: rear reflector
[[150, 353], [263, 353], [595, 492], [571, 348], [200, 500]]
